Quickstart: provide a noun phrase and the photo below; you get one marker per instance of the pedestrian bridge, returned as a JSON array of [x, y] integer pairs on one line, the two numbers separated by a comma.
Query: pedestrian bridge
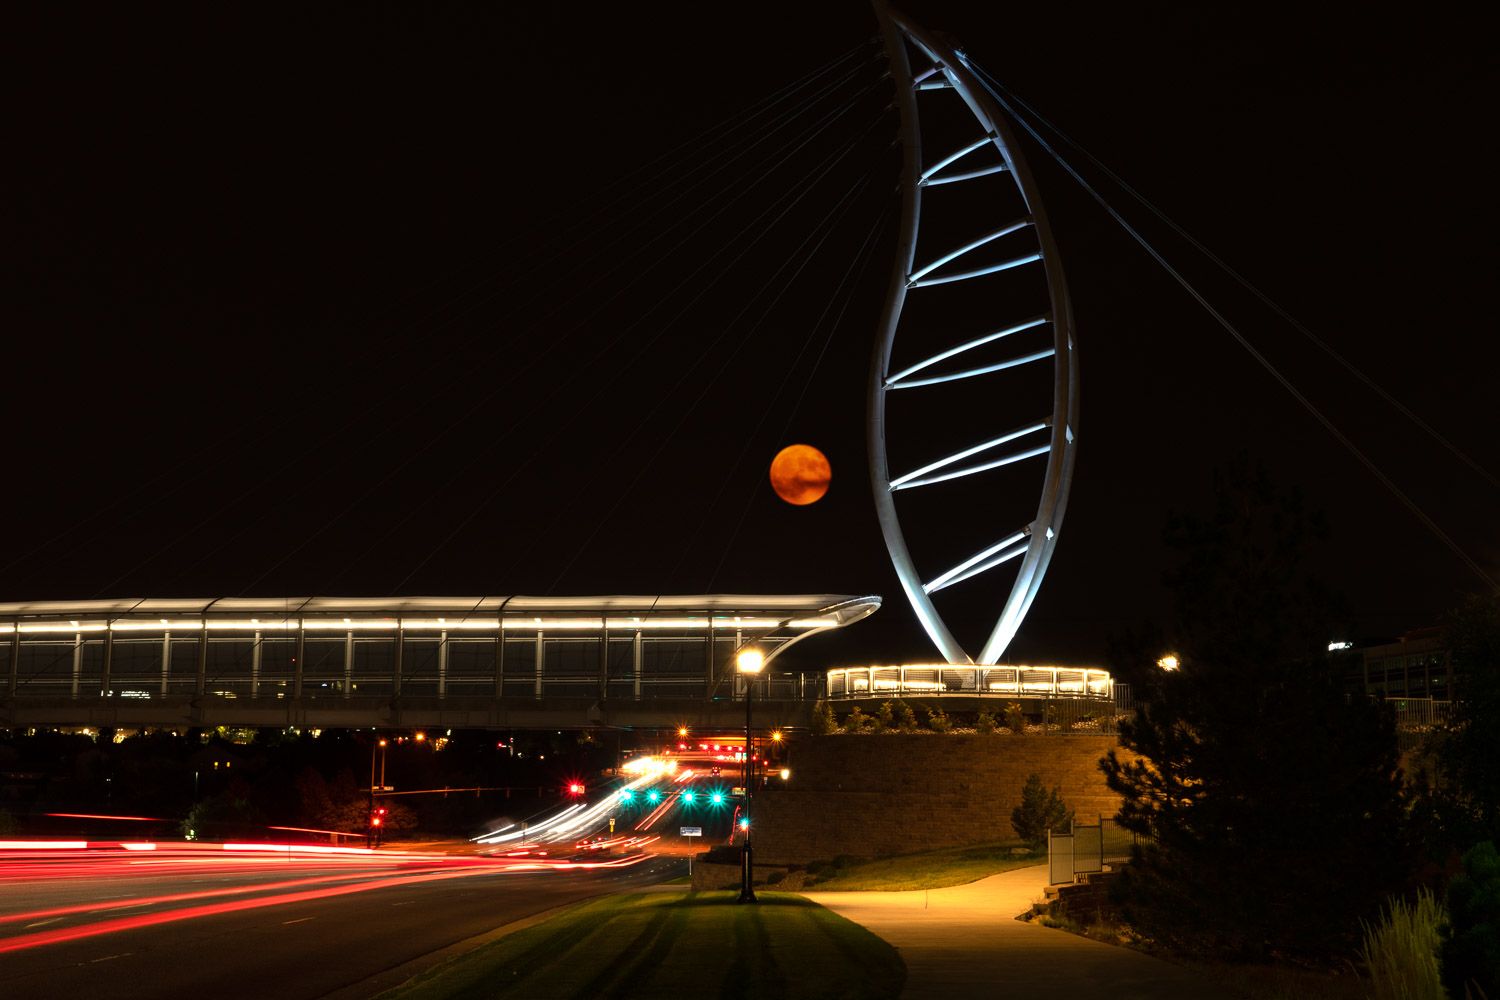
[[473, 662]]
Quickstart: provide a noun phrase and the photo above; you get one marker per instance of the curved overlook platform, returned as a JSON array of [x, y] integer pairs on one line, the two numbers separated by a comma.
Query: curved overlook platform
[[946, 680]]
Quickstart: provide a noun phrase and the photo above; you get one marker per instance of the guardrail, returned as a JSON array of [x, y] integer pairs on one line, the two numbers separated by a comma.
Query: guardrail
[[1006, 682]]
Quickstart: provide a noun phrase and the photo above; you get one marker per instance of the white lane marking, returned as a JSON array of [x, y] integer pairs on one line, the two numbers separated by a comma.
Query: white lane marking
[[407, 903], [43, 923], [299, 920], [106, 958]]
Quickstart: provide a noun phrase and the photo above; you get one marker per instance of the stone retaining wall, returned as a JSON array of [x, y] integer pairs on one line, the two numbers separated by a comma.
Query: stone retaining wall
[[869, 796], [709, 875]]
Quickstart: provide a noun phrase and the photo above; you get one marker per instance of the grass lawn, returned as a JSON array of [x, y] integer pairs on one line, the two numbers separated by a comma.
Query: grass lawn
[[672, 945], [926, 870]]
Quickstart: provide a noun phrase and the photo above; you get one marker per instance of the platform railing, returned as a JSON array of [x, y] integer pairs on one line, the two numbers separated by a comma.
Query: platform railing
[[997, 681]]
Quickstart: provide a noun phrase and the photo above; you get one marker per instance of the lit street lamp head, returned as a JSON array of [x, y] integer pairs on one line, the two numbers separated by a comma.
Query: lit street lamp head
[[750, 660]]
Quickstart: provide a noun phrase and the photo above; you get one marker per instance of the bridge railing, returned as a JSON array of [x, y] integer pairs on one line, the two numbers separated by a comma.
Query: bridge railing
[[986, 681]]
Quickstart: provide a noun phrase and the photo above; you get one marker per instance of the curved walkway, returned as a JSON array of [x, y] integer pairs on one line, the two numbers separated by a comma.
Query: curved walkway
[[965, 941]]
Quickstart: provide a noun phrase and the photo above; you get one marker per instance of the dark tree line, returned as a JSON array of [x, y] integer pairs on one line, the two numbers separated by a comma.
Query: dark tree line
[[1268, 795]]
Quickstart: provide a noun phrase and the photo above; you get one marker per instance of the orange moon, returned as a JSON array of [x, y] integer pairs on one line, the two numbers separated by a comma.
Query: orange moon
[[800, 474]]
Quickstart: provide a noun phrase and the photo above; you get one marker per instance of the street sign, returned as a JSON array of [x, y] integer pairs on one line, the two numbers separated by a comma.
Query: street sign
[[692, 831]]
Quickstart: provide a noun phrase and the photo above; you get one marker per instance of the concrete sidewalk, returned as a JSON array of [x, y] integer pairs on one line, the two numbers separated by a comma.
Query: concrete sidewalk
[[965, 942]]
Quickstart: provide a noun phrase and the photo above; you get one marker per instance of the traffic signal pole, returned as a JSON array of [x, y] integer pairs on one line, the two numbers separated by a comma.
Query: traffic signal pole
[[747, 862]]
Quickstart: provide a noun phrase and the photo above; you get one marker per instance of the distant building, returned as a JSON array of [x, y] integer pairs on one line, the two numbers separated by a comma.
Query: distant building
[[1417, 665]]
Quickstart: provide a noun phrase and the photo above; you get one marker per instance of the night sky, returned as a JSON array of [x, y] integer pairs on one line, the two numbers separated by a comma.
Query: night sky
[[440, 299]]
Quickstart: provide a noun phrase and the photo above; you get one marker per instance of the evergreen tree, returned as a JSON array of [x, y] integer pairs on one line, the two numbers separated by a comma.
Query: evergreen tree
[[1039, 811], [823, 722], [1469, 753], [1267, 795], [1471, 945]]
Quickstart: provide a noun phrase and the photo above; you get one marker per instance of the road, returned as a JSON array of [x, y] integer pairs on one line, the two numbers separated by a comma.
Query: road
[[251, 924]]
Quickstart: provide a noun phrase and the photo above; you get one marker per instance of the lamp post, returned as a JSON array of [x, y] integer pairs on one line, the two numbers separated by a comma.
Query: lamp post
[[750, 662], [370, 823]]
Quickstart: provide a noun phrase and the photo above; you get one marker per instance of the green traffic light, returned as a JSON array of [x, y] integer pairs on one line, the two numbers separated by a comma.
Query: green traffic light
[[717, 798], [627, 796], [653, 796], [688, 797]]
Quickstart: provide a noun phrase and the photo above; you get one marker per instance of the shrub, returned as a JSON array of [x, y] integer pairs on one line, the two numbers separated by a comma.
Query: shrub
[[885, 718], [984, 723], [1471, 945], [906, 719], [1015, 719], [938, 721], [225, 815], [1401, 950], [823, 722], [857, 721], [1039, 811]]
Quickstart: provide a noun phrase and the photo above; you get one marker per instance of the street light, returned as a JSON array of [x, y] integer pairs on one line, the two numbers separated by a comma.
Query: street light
[[750, 662], [1169, 662]]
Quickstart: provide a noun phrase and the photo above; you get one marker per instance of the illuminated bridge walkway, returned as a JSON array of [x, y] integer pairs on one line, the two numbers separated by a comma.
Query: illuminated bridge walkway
[[501, 662]]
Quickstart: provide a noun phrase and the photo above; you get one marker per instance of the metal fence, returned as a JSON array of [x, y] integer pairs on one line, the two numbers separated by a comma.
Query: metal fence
[[986, 681], [1418, 718], [1086, 848]]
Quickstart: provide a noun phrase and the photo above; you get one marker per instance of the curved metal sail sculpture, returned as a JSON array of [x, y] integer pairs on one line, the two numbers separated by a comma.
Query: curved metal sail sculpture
[[1001, 262]]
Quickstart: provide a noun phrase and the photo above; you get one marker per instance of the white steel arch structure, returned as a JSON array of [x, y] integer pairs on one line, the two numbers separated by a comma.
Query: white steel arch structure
[[942, 74]]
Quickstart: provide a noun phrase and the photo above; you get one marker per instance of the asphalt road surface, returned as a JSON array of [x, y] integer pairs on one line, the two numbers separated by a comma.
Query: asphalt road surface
[[269, 925]]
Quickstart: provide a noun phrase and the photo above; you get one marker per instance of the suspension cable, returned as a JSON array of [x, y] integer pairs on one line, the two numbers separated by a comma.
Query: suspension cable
[[796, 194], [1241, 339], [827, 224], [735, 122], [1255, 290], [857, 266]]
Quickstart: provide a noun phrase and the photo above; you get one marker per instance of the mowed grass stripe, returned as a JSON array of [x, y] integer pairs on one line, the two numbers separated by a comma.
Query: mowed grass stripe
[[668, 945], [619, 923], [513, 959], [643, 954]]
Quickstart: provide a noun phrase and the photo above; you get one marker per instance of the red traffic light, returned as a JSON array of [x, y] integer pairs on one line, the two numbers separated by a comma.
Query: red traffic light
[[575, 789], [376, 821]]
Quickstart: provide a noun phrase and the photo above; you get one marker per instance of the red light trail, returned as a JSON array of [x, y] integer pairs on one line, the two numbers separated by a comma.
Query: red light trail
[[363, 881]]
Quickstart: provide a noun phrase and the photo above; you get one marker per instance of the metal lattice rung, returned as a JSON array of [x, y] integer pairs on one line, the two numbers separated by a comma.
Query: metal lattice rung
[[1019, 432]]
